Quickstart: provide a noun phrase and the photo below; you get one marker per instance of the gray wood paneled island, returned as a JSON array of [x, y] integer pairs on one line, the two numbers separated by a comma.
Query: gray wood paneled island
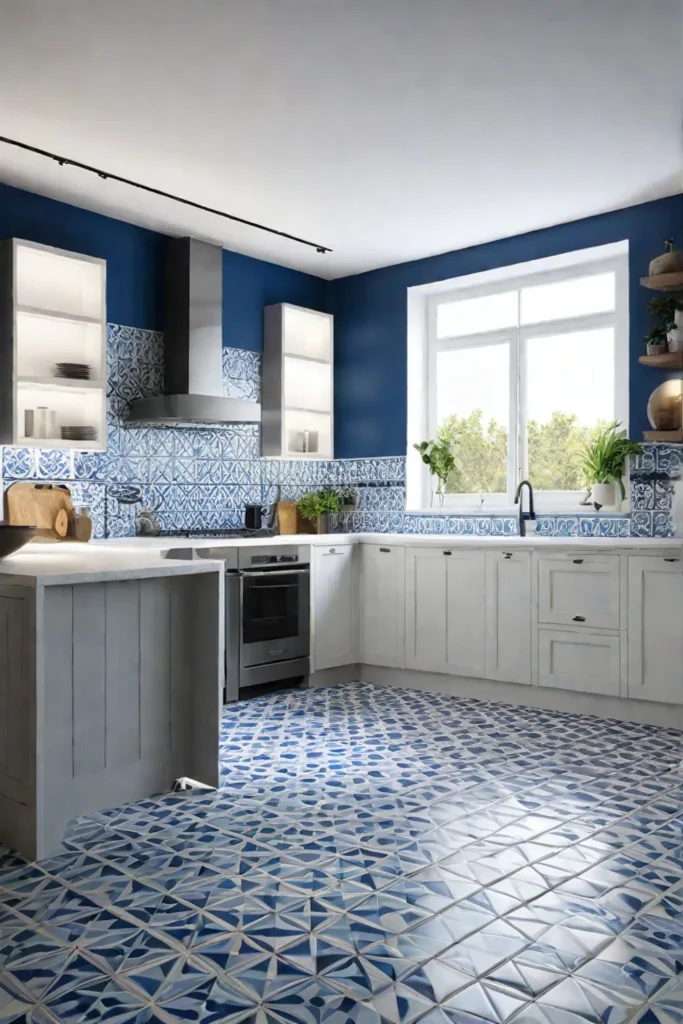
[[111, 675]]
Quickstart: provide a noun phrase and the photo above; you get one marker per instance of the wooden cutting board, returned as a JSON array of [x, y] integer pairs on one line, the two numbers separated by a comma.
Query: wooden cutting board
[[44, 506]]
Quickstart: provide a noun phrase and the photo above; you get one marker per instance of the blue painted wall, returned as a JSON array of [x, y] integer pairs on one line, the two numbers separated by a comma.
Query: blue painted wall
[[135, 267], [249, 285], [370, 325]]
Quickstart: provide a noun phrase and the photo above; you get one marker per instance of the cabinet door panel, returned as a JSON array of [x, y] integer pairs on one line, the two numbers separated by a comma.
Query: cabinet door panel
[[655, 629], [586, 662], [508, 616], [382, 605], [580, 591], [334, 607], [426, 609], [466, 613], [445, 611]]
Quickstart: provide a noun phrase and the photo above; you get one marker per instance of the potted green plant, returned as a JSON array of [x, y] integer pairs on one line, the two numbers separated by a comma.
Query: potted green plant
[[604, 463], [316, 506], [665, 334], [438, 457]]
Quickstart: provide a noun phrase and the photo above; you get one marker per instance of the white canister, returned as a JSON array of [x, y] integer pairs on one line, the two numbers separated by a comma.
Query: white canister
[[40, 422], [51, 424], [675, 337]]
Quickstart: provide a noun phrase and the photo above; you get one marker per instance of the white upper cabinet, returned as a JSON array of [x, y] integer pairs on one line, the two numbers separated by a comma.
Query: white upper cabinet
[[579, 590], [655, 628], [297, 397], [52, 311], [382, 605], [508, 616], [445, 610], [334, 606]]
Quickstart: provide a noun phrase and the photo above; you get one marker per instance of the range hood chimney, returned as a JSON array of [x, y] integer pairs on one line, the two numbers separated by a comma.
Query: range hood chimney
[[193, 344]]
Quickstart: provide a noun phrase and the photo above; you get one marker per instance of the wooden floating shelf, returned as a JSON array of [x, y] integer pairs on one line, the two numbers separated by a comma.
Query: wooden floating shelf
[[667, 361], [664, 282], [669, 436]]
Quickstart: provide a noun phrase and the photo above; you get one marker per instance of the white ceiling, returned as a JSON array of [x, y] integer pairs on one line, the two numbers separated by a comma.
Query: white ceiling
[[385, 129]]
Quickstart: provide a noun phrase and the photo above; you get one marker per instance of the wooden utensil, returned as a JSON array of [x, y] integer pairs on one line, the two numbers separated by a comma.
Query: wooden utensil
[[61, 524]]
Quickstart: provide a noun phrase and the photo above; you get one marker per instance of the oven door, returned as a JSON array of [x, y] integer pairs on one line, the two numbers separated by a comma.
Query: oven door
[[275, 616]]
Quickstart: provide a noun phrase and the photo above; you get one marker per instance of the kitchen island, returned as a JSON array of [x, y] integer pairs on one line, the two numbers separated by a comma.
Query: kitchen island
[[111, 670]]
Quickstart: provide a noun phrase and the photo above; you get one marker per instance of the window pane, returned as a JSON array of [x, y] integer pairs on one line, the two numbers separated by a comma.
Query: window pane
[[472, 316], [569, 391], [472, 405], [576, 297]]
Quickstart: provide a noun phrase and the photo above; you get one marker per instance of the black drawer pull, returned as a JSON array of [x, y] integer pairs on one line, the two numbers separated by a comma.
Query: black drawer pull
[[448, 552], [385, 551], [578, 561], [507, 554], [672, 559], [579, 618]]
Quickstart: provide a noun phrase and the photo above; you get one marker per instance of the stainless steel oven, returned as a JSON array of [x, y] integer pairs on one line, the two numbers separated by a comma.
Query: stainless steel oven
[[267, 612], [267, 635]]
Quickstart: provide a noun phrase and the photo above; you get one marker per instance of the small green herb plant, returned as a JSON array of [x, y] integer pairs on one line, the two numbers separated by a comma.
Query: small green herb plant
[[315, 504], [438, 456], [347, 497], [663, 312], [604, 457]]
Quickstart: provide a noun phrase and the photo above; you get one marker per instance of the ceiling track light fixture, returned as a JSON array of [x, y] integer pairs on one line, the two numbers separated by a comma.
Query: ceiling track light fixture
[[64, 161]]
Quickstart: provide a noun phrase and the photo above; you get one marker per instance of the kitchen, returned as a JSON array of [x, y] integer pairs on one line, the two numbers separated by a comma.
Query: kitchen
[[310, 710]]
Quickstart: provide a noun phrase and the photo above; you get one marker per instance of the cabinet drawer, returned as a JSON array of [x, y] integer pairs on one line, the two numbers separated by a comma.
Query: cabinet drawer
[[579, 591], [588, 662]]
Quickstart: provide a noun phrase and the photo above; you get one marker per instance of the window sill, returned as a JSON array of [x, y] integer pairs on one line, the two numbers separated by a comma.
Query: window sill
[[574, 510]]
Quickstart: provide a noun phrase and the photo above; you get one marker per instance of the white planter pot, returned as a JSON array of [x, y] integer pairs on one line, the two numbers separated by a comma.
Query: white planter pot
[[675, 337], [604, 494]]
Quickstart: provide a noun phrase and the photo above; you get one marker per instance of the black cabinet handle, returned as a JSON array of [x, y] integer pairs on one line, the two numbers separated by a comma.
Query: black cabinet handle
[[507, 554], [579, 618], [448, 552], [672, 559], [385, 551], [578, 561]]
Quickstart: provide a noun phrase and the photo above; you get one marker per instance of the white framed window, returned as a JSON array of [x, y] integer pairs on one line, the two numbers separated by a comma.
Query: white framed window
[[517, 372]]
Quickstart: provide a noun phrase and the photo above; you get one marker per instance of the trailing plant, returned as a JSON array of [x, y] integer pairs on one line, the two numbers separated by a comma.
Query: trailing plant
[[438, 457], [347, 497], [315, 504], [604, 456]]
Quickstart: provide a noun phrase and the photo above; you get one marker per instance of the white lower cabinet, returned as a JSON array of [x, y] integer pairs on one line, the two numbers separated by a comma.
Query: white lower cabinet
[[381, 633], [579, 589], [508, 616], [334, 606], [655, 628], [581, 661], [445, 610]]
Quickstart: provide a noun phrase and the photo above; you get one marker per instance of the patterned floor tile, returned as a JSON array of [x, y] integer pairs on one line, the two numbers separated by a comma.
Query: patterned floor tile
[[373, 856]]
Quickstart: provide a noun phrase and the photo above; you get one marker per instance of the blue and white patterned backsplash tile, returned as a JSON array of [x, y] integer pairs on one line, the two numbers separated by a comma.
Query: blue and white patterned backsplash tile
[[203, 476]]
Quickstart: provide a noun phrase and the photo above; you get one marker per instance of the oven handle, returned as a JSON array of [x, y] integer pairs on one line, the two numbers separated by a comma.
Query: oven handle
[[247, 574]]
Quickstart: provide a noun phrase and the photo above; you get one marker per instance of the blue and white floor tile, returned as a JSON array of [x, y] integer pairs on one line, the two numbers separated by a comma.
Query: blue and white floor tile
[[374, 856]]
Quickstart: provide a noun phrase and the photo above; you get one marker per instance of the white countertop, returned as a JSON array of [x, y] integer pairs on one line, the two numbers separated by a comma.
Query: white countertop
[[40, 564]]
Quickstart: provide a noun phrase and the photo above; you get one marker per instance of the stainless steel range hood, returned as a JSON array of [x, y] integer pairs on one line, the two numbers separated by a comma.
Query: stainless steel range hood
[[193, 344]]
